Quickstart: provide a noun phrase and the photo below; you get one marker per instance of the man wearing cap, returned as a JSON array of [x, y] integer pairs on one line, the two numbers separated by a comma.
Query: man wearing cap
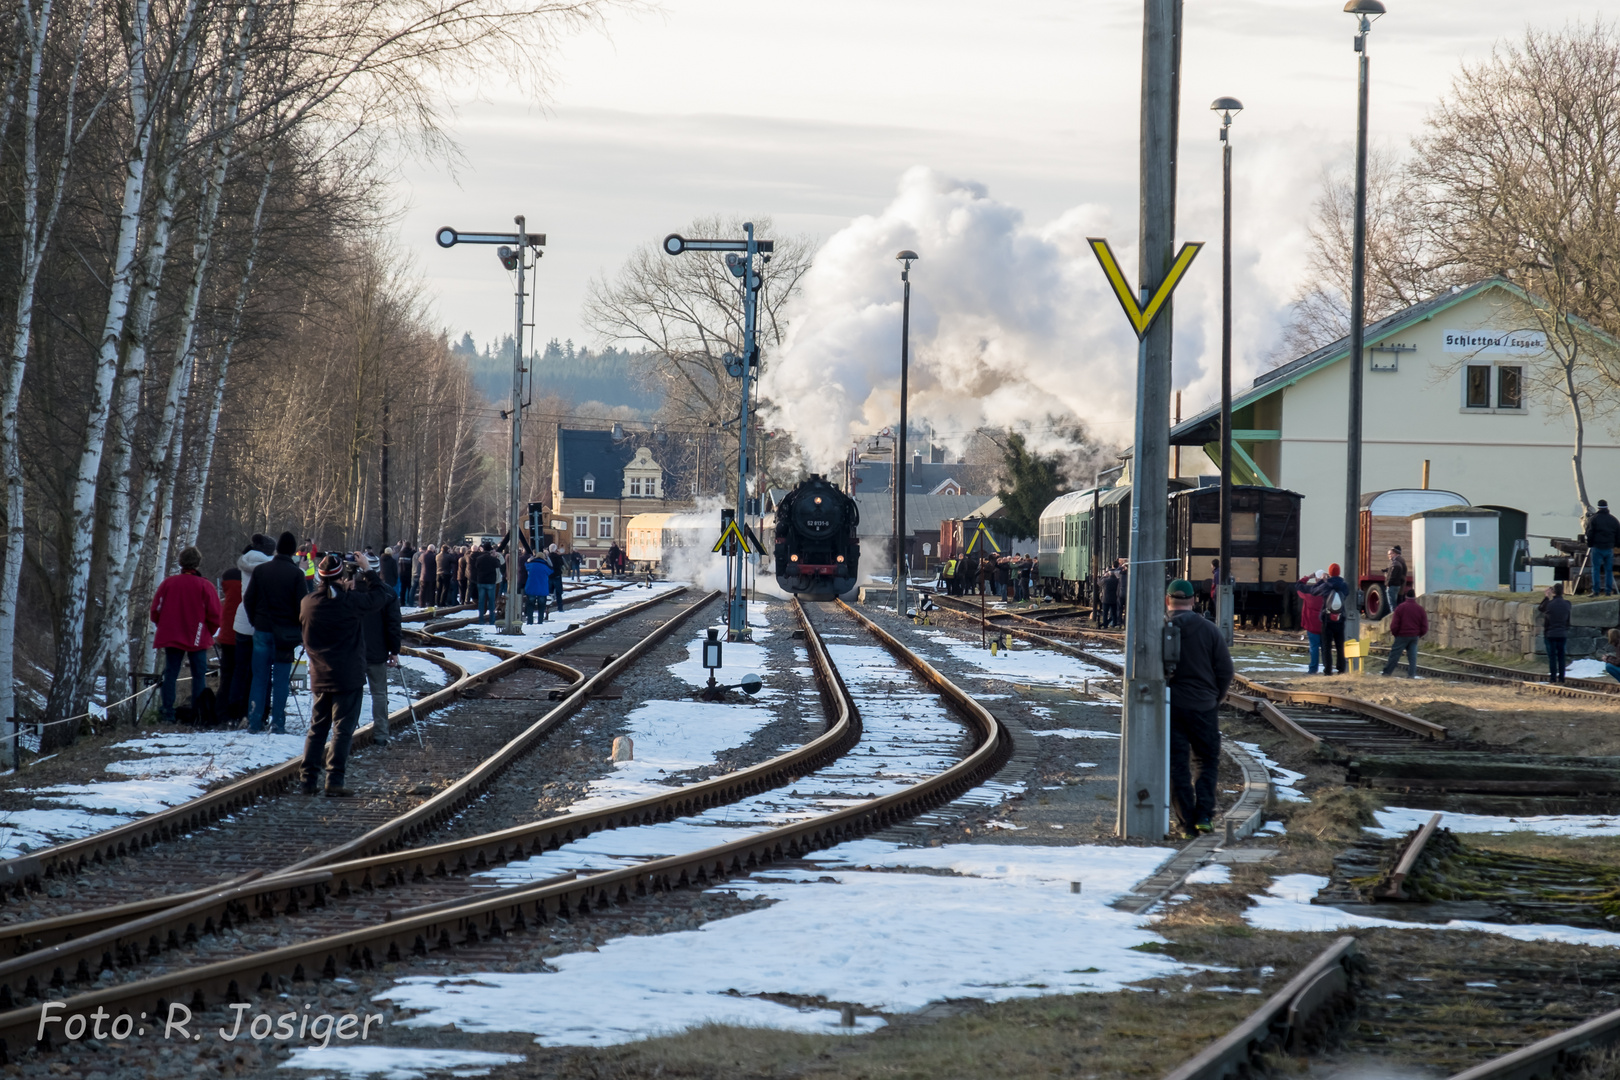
[[1202, 675], [333, 619], [1602, 536]]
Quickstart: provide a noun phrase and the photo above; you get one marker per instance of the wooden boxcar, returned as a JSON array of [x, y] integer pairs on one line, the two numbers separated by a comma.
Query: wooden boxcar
[[1265, 546]]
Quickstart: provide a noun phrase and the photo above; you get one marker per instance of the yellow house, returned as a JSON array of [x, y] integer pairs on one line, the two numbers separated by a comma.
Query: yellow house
[[599, 481]]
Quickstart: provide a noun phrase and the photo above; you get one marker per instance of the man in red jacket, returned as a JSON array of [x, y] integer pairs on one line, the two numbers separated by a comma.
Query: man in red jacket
[[1407, 623], [186, 611]]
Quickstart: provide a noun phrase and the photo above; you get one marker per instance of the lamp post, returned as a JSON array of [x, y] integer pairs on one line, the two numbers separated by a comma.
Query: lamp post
[[1365, 11], [518, 251], [1228, 107], [906, 259]]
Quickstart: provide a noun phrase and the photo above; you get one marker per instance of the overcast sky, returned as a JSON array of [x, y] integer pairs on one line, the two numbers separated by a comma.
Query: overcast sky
[[811, 113]]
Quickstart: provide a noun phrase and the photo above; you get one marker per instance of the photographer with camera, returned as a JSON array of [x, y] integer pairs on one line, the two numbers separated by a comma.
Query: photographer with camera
[[383, 639], [333, 618]]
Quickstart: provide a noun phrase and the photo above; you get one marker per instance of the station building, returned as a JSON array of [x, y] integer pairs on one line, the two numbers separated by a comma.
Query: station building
[[602, 478], [1460, 391]]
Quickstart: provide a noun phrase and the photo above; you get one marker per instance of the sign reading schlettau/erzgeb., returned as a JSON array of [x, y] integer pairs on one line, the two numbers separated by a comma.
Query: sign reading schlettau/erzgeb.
[[1509, 342]]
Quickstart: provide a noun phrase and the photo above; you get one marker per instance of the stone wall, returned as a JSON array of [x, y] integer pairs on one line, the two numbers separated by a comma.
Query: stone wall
[[1506, 624]]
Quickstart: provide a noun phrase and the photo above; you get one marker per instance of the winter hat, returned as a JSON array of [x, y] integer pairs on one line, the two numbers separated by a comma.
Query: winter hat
[[1333, 569], [1396, 549], [190, 559], [1603, 504], [1180, 590], [388, 551], [286, 544], [331, 567]]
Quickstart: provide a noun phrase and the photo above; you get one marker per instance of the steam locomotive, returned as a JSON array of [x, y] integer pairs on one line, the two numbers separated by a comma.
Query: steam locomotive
[[817, 552]]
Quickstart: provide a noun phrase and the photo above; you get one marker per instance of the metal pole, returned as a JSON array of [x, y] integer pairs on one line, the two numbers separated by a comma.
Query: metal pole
[[750, 277], [385, 534], [513, 622], [900, 456], [1352, 441], [1224, 600], [1144, 781]]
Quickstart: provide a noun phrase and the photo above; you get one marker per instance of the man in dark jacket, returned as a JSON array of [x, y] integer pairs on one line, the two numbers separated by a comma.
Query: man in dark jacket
[[1394, 578], [1110, 597], [272, 601], [486, 575], [1407, 624], [333, 622], [388, 569], [1556, 610], [1602, 536], [447, 576], [407, 572], [427, 577], [383, 638], [1197, 687], [559, 565]]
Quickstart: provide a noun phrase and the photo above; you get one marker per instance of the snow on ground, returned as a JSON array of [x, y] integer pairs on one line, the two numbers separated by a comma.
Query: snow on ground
[[1002, 924], [573, 612], [1213, 874], [1286, 905], [1398, 821], [1020, 664], [1282, 780], [172, 767], [1078, 733], [1586, 669], [395, 1062]]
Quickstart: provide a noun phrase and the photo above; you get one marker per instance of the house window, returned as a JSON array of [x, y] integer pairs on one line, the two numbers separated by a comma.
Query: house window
[[1509, 387], [582, 526], [1459, 528], [604, 527], [635, 485], [590, 483], [1478, 386], [652, 486]]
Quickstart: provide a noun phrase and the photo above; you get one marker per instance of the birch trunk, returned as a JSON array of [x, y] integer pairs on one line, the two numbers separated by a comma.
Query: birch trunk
[[203, 455], [68, 691]]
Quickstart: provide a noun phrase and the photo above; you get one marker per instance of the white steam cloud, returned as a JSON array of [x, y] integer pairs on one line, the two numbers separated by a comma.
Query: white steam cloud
[[1010, 325]]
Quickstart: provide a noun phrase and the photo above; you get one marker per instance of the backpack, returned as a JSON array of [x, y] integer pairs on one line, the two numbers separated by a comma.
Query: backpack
[[203, 711], [1333, 606]]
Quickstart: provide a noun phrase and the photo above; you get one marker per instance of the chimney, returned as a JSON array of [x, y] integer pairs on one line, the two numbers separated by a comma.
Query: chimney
[[916, 461]]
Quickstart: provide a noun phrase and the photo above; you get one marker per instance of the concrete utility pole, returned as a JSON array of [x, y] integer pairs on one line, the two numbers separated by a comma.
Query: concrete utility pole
[[1144, 782], [1364, 11], [515, 251], [1227, 107], [901, 481]]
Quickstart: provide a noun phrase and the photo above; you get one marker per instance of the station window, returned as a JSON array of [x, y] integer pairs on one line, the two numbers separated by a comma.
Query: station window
[[604, 527], [1509, 387], [1478, 387], [590, 482], [635, 485], [582, 525]]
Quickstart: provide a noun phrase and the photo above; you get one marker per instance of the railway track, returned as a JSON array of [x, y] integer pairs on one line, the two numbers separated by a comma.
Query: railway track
[[826, 783], [1530, 1016], [1335, 723], [253, 815]]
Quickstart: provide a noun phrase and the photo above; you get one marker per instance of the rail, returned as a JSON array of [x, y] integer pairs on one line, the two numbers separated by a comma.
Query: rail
[[1551, 1056], [1283, 1023], [25, 872], [487, 916]]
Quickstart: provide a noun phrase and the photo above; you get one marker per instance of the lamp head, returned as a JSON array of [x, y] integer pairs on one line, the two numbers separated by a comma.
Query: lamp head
[[1365, 11], [906, 258], [1228, 107]]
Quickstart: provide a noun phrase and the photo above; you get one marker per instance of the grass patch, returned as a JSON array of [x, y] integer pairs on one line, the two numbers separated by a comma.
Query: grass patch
[[1089, 1035], [1333, 816], [1599, 850]]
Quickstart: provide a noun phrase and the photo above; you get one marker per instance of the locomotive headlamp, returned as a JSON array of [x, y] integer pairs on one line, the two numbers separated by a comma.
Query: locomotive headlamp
[[818, 500], [711, 650], [840, 558], [793, 558]]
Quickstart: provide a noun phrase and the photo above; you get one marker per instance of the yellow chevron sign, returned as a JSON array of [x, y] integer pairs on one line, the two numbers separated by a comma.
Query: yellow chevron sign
[[733, 532], [1142, 317], [984, 532]]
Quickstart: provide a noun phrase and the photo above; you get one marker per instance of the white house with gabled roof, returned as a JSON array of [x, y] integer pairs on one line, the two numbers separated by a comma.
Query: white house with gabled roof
[[1452, 381]]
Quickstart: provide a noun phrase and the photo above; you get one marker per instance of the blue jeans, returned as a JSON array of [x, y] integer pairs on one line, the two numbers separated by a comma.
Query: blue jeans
[[271, 680], [1408, 646], [172, 659], [1316, 650], [1613, 670], [1602, 570], [486, 601]]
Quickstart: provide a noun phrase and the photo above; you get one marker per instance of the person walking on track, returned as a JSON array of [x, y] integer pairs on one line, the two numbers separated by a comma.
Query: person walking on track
[[186, 612], [1110, 597], [272, 600], [383, 638], [1555, 611], [332, 619], [1602, 537], [536, 587], [1197, 686], [1407, 623]]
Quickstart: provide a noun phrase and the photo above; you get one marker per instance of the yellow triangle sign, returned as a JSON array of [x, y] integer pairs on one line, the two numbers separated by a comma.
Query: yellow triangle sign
[[733, 532], [1142, 318], [989, 539]]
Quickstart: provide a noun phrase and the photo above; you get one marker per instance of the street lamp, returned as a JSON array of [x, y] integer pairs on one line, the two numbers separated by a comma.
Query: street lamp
[[1364, 11], [1228, 107], [906, 258]]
